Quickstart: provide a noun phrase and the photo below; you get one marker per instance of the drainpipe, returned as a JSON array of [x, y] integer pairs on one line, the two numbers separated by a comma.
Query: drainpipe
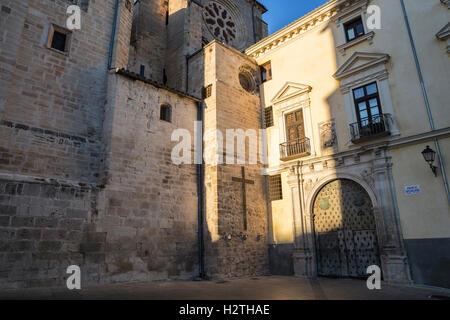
[[427, 102], [113, 35], [200, 169]]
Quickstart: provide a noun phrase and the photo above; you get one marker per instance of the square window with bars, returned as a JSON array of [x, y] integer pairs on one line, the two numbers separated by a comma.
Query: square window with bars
[[268, 117], [207, 91], [166, 113], [275, 188]]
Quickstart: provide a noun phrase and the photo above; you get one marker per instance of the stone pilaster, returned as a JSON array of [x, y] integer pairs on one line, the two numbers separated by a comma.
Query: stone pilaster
[[393, 256], [303, 256]]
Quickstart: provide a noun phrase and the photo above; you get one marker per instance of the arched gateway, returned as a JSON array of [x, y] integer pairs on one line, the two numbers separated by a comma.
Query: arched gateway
[[345, 231]]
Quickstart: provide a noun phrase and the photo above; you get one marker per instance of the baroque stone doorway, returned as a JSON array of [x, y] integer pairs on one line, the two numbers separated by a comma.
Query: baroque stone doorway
[[345, 231]]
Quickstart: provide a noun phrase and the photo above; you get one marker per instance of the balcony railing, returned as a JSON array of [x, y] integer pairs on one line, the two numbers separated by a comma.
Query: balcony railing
[[370, 128], [295, 149]]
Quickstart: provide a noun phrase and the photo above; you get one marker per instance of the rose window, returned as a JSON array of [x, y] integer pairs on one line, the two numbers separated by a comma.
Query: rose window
[[247, 82], [220, 22]]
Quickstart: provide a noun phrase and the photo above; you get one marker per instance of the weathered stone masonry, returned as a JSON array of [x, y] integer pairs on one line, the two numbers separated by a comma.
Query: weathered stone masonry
[[86, 175], [45, 227], [51, 119]]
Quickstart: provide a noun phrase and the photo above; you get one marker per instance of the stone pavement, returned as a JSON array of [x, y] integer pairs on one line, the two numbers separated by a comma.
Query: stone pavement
[[260, 288]]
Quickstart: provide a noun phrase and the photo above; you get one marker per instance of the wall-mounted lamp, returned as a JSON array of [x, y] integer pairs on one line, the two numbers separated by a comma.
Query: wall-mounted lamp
[[429, 156]]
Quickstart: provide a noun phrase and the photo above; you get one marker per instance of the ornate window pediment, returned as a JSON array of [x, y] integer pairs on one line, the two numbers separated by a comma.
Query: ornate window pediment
[[347, 8], [291, 90], [444, 35], [365, 69], [359, 62], [348, 11], [293, 115]]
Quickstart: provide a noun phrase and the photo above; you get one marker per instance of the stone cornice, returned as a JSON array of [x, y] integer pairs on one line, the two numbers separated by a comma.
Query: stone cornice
[[367, 37], [233, 50], [49, 181], [311, 20], [349, 8], [134, 76]]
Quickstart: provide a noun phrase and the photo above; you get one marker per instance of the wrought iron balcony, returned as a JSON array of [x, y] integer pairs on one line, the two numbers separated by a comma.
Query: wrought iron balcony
[[371, 128], [295, 149]]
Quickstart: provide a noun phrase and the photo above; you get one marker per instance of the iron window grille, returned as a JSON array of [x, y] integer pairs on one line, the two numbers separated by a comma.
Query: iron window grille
[[268, 117], [275, 188]]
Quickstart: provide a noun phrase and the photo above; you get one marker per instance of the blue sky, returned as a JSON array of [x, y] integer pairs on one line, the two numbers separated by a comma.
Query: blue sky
[[283, 12]]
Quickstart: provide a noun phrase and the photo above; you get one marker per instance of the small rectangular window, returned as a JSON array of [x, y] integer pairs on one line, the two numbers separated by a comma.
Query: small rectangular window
[[166, 113], [275, 188], [266, 72], [354, 29], [268, 117], [59, 39]]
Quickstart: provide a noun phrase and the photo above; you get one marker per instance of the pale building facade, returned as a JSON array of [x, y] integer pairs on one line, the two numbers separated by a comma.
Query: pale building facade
[[348, 123], [87, 120]]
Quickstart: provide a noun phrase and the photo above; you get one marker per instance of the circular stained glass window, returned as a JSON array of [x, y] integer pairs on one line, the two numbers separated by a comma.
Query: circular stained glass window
[[220, 22]]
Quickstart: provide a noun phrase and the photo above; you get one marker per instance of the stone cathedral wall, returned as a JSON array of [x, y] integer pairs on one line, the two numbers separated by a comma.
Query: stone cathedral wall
[[51, 118], [73, 190], [148, 207], [51, 107], [148, 41], [86, 175], [232, 251]]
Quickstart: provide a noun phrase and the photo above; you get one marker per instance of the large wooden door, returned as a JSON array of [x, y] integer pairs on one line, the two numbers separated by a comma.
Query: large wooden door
[[295, 127], [345, 231]]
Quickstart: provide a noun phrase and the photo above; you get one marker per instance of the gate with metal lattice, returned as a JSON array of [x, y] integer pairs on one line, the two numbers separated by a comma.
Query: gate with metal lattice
[[345, 232]]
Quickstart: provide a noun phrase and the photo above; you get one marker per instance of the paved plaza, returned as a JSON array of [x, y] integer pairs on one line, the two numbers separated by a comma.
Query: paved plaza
[[260, 288]]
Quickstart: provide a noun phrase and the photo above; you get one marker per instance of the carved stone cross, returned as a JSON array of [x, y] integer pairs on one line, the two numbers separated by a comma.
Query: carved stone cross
[[244, 194]]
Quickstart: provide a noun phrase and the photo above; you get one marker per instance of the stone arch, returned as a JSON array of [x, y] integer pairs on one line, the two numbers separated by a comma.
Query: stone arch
[[336, 176], [309, 203], [347, 246]]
